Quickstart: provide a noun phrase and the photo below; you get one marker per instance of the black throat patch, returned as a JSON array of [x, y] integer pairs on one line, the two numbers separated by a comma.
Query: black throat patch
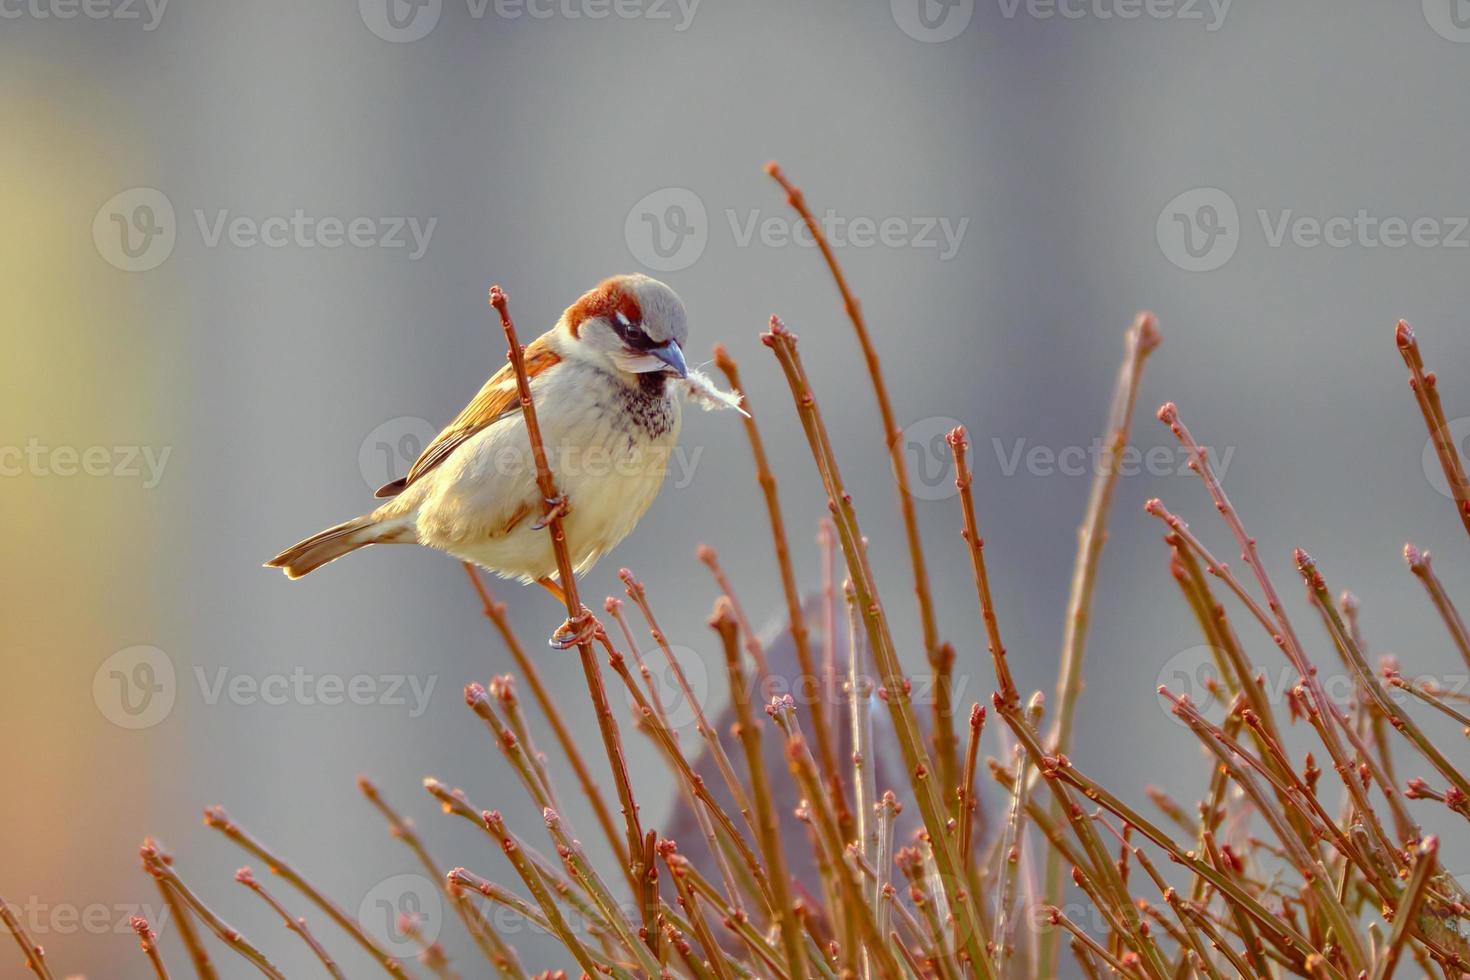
[[647, 405]]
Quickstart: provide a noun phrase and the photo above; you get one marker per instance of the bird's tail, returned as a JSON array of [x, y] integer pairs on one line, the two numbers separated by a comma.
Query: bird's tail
[[335, 542]]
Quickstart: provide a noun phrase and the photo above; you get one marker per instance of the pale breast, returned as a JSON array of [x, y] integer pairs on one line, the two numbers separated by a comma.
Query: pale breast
[[609, 446]]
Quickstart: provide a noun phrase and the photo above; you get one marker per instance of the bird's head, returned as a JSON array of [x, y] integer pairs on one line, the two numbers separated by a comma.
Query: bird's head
[[630, 324]]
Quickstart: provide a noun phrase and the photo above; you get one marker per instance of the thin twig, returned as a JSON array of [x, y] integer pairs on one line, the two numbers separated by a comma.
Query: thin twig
[[1420, 564], [1426, 392], [1403, 916], [554, 509], [826, 753], [183, 920], [747, 729], [964, 482], [895, 686], [296, 925], [495, 612], [35, 956], [496, 950], [1141, 340], [155, 864], [217, 818], [940, 661], [148, 940]]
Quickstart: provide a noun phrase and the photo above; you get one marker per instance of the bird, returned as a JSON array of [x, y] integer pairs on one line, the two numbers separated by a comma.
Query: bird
[[605, 381]]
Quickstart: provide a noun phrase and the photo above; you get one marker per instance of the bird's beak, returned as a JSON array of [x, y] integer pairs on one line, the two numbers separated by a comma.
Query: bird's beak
[[671, 355]]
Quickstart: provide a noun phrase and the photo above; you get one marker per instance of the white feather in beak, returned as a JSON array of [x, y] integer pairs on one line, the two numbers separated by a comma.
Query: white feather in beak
[[702, 391]]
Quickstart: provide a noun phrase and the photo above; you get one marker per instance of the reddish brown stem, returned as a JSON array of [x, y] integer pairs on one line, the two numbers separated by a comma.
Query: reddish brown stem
[[496, 950], [217, 818], [897, 692], [1423, 569], [945, 739], [747, 729], [554, 509], [158, 865], [495, 612], [35, 956], [1426, 392], [148, 940], [296, 925], [799, 634], [963, 481]]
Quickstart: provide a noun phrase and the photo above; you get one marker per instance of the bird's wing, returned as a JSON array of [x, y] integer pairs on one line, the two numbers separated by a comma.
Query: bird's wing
[[498, 398]]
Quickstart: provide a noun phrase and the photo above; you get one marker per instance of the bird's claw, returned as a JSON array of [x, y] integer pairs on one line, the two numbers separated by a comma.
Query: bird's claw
[[556, 508], [574, 631]]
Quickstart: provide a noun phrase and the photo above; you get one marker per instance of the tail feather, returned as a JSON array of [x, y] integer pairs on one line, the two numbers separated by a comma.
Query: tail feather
[[334, 542]]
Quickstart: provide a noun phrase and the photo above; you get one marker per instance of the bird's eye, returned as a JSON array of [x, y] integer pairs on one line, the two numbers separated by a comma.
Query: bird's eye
[[631, 332]]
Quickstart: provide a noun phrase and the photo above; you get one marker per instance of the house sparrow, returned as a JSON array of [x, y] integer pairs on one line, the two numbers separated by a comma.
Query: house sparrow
[[605, 382]]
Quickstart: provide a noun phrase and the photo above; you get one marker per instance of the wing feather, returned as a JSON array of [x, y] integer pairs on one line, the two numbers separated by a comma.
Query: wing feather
[[496, 399]]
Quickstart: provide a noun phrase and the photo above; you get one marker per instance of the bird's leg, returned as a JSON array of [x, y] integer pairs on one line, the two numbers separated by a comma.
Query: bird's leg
[[550, 585], [558, 508], [575, 630]]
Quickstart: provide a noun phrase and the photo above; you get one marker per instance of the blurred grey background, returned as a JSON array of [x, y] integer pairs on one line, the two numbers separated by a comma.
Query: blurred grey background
[[550, 148]]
